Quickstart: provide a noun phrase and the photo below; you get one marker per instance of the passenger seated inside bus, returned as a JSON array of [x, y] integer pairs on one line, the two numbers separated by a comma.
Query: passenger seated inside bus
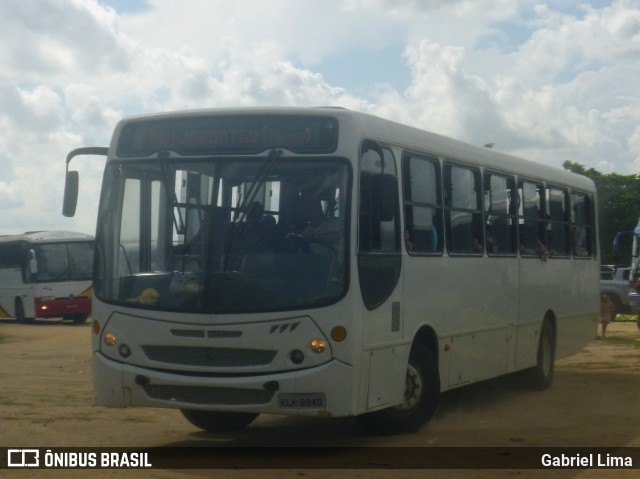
[[311, 225]]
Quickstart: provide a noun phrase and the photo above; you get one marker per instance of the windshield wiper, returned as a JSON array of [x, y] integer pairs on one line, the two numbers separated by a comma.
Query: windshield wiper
[[171, 194], [257, 184], [252, 192]]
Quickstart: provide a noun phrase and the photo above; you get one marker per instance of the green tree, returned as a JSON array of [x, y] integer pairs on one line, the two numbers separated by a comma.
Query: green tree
[[618, 208]]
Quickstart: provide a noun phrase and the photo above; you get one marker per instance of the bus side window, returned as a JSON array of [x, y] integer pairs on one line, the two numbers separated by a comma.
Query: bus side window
[[557, 202], [379, 258], [422, 205], [14, 257], [500, 200], [379, 227], [463, 218], [531, 218], [581, 235]]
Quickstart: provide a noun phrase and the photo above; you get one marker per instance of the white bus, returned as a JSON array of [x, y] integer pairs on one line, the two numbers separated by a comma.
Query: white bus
[[320, 261], [46, 274]]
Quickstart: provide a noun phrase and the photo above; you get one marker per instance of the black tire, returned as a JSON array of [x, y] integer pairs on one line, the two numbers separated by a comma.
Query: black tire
[[540, 376], [422, 389], [216, 421], [20, 316]]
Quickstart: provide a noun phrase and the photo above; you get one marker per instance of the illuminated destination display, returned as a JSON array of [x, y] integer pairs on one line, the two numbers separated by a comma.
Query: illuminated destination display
[[249, 134]]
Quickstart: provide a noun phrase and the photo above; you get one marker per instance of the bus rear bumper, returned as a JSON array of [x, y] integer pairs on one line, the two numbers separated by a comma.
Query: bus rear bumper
[[121, 385]]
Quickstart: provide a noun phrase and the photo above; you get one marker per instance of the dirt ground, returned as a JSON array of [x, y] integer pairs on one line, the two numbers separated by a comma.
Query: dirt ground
[[46, 401]]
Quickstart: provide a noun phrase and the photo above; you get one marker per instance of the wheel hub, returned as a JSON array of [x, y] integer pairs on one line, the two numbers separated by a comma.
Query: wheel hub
[[412, 389]]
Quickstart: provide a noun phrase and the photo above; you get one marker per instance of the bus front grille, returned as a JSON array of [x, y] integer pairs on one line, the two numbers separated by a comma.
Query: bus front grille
[[209, 395], [209, 357]]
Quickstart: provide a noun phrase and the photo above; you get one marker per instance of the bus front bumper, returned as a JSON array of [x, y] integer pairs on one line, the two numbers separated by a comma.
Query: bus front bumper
[[54, 307], [323, 390]]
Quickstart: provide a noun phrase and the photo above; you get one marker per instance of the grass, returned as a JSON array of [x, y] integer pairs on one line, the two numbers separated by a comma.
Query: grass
[[626, 317], [629, 342]]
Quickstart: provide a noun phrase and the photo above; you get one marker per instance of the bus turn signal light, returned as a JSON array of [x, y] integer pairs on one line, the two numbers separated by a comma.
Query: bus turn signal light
[[339, 334]]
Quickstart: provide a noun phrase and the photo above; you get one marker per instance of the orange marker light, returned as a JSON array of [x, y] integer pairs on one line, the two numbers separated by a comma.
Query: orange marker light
[[339, 334]]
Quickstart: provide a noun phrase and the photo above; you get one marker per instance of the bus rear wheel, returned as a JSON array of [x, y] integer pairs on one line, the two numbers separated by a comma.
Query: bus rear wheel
[[217, 421], [540, 376], [422, 389]]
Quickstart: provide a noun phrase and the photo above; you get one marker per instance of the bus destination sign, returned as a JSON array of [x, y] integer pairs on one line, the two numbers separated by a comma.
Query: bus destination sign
[[203, 135]]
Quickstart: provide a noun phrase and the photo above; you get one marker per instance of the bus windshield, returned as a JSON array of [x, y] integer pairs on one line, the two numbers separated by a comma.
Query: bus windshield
[[63, 261], [241, 234]]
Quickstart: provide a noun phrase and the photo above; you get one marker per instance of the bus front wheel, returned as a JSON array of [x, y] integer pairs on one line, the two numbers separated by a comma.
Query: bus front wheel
[[422, 389], [20, 315], [216, 421], [77, 318]]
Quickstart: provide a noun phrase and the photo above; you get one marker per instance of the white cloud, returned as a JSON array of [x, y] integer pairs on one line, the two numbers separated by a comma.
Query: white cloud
[[552, 84], [58, 39]]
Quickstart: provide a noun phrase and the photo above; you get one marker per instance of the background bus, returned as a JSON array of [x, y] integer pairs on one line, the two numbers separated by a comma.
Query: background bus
[[320, 261], [632, 255], [46, 274]]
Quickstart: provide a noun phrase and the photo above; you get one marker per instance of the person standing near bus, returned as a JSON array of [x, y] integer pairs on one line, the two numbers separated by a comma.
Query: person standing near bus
[[605, 314]]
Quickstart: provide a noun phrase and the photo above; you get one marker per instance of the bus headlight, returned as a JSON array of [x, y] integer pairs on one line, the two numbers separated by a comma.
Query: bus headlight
[[110, 339], [318, 345]]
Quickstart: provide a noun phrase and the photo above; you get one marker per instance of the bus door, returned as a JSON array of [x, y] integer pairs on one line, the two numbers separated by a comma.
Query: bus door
[[379, 265]]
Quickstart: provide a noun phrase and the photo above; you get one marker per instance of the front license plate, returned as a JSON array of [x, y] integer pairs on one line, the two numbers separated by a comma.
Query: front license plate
[[302, 401]]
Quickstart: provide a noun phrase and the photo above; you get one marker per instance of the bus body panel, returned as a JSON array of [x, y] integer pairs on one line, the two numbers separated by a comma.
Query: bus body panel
[[120, 385], [476, 323], [114, 387]]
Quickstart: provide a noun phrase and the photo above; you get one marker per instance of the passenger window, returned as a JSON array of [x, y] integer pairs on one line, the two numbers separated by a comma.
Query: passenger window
[[558, 221], [581, 233], [422, 205], [463, 211], [500, 203], [532, 219]]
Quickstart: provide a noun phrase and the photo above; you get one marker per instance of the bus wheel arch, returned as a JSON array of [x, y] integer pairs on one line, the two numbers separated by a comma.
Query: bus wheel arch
[[422, 390], [540, 376]]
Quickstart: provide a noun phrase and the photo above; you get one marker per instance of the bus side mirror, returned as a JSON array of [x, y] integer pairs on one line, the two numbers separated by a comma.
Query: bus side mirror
[[70, 201], [387, 197]]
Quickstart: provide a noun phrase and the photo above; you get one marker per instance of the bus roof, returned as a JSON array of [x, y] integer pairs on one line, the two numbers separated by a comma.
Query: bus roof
[[364, 125], [47, 237]]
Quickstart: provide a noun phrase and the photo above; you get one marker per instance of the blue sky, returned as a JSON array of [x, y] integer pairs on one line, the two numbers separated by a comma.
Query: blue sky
[[551, 81], [126, 6]]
